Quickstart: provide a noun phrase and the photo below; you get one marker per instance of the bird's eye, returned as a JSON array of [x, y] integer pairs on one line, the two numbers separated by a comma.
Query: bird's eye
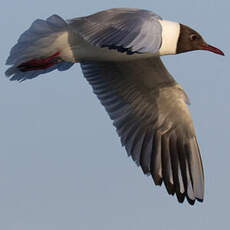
[[194, 37]]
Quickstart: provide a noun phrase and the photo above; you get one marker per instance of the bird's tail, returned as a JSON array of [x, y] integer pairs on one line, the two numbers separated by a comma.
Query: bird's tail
[[44, 47]]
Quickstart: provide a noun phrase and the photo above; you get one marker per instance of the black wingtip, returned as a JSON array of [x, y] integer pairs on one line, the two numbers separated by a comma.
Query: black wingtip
[[157, 179], [200, 200], [191, 202], [180, 197], [170, 188]]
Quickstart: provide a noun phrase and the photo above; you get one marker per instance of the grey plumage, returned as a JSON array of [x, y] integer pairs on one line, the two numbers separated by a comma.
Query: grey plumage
[[151, 117], [131, 29]]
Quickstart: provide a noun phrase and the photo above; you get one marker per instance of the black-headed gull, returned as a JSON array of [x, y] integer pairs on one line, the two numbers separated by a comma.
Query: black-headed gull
[[119, 52]]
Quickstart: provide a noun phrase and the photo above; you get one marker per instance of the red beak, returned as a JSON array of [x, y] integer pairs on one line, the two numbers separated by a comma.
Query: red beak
[[212, 49]]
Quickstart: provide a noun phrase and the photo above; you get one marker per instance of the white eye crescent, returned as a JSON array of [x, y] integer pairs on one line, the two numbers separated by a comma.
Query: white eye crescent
[[194, 37]]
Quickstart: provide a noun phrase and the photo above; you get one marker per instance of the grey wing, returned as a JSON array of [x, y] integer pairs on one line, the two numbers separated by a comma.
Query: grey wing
[[127, 30], [149, 112]]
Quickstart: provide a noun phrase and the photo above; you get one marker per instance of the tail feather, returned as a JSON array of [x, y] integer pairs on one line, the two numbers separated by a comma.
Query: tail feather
[[16, 75], [39, 50]]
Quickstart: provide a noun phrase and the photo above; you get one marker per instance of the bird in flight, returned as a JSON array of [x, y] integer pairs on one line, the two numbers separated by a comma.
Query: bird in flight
[[119, 52]]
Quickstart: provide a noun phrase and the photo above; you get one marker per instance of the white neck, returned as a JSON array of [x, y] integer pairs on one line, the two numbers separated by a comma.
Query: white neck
[[170, 36]]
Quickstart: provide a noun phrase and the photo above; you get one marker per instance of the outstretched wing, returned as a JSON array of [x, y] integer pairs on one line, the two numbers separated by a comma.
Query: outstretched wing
[[127, 30], [149, 111]]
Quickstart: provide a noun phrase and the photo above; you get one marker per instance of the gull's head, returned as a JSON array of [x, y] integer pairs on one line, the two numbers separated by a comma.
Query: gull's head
[[190, 40], [178, 38]]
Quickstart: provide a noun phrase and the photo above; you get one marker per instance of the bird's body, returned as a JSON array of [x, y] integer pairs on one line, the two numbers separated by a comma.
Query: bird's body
[[119, 51]]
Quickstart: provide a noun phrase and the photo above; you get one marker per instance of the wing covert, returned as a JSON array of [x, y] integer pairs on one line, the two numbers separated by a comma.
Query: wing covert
[[127, 30]]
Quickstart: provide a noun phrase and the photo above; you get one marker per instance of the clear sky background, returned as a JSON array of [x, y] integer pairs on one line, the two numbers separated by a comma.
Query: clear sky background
[[61, 162]]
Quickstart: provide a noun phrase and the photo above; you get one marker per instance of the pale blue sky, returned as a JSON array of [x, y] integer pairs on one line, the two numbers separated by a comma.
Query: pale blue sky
[[61, 162]]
